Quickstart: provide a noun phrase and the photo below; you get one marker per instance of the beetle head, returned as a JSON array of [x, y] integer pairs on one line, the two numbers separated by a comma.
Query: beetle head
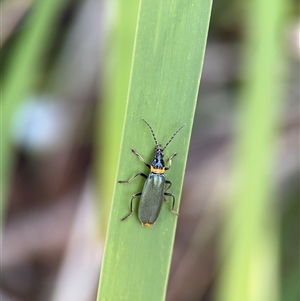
[[158, 160]]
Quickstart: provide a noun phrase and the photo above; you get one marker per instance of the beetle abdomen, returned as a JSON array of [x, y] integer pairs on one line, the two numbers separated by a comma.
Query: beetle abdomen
[[151, 199]]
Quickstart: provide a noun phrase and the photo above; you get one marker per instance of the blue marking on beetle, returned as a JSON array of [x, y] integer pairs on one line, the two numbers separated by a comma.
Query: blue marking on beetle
[[155, 189]]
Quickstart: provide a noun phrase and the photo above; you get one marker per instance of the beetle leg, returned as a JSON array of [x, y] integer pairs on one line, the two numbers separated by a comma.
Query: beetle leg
[[132, 178], [170, 161], [170, 184], [140, 157], [131, 210], [173, 203]]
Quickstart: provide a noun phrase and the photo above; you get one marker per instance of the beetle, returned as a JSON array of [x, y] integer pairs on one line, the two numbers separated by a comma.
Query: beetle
[[156, 184]]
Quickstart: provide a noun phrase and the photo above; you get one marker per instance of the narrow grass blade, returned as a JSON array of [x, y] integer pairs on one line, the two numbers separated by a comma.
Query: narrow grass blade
[[165, 74]]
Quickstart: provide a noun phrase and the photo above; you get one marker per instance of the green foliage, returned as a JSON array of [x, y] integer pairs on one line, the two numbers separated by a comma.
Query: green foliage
[[167, 61], [25, 61], [112, 108], [250, 239]]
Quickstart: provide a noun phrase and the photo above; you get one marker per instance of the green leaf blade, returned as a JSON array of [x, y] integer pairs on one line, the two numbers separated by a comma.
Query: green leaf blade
[[167, 62]]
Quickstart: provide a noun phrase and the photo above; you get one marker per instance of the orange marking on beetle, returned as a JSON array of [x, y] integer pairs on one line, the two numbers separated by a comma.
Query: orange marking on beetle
[[147, 225], [157, 171]]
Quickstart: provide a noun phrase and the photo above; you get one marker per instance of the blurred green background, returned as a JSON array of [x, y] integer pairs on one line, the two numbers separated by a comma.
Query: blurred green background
[[58, 124]]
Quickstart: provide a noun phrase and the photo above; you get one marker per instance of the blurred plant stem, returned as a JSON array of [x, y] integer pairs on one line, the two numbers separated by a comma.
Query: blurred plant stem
[[249, 254], [24, 63]]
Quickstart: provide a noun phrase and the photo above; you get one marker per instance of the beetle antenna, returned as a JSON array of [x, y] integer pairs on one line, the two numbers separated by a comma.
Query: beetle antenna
[[149, 126], [173, 136]]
